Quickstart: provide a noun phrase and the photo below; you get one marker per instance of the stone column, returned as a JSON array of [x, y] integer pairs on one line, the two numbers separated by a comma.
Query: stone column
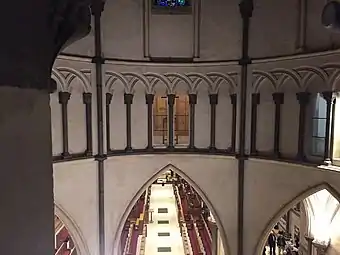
[[303, 99], [233, 101], [64, 97], [278, 99], [128, 99], [192, 103], [330, 100], [213, 103], [171, 103], [26, 180], [255, 101], [35, 32], [149, 101], [309, 244]]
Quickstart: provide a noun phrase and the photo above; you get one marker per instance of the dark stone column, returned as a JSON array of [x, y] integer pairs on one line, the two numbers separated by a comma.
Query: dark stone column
[[35, 32], [64, 97], [330, 100], [213, 102], [246, 11], [255, 101], [278, 100], [108, 100], [128, 98], [303, 98], [233, 100], [149, 101], [171, 103], [309, 244], [192, 103], [87, 100]]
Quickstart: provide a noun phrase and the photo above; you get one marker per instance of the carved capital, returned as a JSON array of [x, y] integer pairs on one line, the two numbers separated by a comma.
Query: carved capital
[[233, 99], [128, 98], [192, 99], [87, 98], [246, 8], [64, 97], [213, 99], [328, 96], [149, 98], [278, 98], [108, 98], [303, 97], [171, 99]]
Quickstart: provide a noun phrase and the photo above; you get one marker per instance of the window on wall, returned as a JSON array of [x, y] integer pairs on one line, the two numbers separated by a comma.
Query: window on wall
[[180, 121], [170, 3], [319, 126], [171, 6], [160, 120]]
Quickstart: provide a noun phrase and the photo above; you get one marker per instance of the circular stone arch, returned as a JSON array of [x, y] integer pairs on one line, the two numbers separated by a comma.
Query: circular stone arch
[[147, 184], [73, 229], [283, 210]]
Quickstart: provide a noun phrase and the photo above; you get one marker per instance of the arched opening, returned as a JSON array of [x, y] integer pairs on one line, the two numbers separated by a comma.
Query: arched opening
[[68, 237], [170, 215], [63, 243], [306, 225]]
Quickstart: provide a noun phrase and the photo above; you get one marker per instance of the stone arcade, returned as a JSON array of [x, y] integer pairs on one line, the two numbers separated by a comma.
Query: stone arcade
[[237, 98]]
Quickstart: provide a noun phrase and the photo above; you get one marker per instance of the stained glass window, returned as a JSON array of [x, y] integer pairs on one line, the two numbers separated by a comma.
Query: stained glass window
[[171, 3]]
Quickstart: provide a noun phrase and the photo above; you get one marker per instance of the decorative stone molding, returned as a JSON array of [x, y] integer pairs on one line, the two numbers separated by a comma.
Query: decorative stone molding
[[213, 81], [301, 77], [64, 77]]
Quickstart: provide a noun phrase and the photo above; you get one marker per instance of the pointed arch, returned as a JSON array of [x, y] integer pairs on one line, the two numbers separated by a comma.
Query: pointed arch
[[155, 78], [60, 79], [73, 229], [192, 184], [80, 75], [197, 79], [178, 78], [111, 80], [300, 197], [138, 78], [261, 77]]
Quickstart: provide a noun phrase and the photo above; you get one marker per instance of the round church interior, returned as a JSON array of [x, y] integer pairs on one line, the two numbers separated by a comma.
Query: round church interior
[[155, 127]]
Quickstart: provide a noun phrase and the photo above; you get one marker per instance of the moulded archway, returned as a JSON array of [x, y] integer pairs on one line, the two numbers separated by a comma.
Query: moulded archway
[[147, 184], [284, 209], [73, 230]]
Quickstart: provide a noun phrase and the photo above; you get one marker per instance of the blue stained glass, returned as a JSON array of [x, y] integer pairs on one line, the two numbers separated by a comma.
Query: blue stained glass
[[171, 3]]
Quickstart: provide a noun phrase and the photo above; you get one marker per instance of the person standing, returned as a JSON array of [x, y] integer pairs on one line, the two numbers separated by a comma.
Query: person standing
[[281, 243], [272, 243]]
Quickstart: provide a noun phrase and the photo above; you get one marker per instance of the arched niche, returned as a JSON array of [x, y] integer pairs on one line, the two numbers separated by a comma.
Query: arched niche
[[73, 229], [201, 194], [302, 197]]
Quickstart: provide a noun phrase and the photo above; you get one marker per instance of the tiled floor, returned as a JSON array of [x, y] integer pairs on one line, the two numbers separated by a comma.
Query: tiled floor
[[164, 238]]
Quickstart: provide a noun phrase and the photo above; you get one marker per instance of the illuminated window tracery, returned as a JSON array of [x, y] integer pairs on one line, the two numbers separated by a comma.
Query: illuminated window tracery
[[171, 3]]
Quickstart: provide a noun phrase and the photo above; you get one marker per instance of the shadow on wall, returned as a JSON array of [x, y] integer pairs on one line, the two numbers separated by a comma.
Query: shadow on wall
[[68, 236], [170, 194], [320, 206]]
